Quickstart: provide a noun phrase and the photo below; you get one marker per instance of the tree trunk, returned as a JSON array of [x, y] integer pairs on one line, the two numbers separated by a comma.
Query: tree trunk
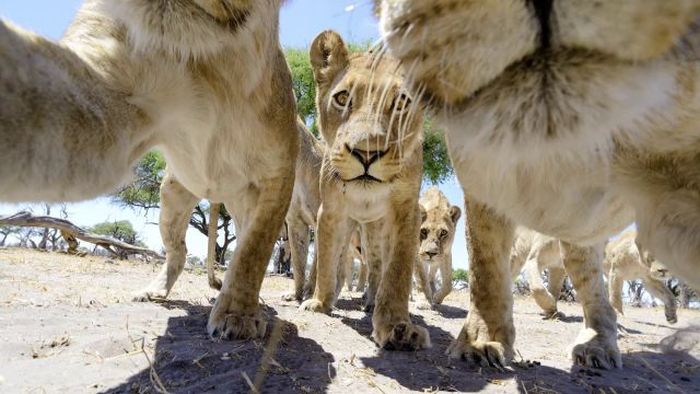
[[117, 248]]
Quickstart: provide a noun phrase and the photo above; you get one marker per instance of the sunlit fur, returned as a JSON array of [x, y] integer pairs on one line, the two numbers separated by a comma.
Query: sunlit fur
[[573, 121], [437, 232], [204, 81], [532, 253], [301, 216], [371, 174], [625, 260]]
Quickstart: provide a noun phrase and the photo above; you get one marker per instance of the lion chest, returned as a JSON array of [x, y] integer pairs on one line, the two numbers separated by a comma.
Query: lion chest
[[366, 205]]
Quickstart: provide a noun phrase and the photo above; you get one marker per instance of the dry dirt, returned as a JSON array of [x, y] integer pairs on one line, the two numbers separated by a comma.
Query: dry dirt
[[67, 325]]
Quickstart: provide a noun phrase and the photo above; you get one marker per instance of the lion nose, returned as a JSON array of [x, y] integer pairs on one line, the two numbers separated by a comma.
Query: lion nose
[[662, 271], [365, 157], [431, 253]]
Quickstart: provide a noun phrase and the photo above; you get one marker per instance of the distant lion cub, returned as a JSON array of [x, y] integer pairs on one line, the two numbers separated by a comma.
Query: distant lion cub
[[371, 174]]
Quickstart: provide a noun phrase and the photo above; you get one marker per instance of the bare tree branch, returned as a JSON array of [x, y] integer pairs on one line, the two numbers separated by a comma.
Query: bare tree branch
[[26, 219]]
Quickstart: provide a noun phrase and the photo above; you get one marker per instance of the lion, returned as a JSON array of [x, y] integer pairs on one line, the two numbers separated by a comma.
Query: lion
[[534, 252], [301, 216], [204, 81], [571, 117], [371, 174], [438, 223], [626, 260]]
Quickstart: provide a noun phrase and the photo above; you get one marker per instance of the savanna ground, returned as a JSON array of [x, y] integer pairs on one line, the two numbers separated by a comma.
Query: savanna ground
[[67, 325]]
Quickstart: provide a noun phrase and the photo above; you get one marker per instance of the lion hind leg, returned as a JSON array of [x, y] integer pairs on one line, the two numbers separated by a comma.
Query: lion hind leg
[[176, 205]]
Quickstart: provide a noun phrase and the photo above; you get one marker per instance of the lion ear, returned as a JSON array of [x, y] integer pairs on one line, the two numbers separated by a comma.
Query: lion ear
[[455, 213], [328, 55]]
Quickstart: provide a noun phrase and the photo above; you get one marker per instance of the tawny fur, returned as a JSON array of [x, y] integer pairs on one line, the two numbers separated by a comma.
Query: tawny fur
[[437, 231], [574, 121], [534, 252], [205, 81], [301, 217], [371, 174], [625, 261]]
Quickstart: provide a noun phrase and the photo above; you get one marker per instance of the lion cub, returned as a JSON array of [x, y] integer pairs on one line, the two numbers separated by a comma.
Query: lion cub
[[371, 174], [437, 233]]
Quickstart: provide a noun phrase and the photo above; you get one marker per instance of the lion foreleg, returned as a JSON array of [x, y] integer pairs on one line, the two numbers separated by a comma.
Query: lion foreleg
[[596, 345], [67, 135], [488, 334], [236, 313], [391, 322]]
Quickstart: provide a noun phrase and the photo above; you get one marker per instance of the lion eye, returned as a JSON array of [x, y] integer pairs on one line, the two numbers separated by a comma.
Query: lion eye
[[342, 99], [443, 234], [401, 103], [423, 234]]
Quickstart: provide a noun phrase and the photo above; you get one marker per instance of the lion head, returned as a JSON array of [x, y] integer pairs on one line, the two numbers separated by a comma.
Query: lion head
[[371, 125], [439, 220]]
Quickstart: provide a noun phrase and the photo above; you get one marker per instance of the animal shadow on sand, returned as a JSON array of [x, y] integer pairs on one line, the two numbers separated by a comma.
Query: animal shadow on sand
[[186, 360], [431, 369]]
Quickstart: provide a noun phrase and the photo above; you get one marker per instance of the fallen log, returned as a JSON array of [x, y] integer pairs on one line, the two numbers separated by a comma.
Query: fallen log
[[70, 232]]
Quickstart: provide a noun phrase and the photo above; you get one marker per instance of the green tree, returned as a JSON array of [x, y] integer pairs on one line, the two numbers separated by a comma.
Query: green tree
[[460, 275], [437, 167], [121, 230]]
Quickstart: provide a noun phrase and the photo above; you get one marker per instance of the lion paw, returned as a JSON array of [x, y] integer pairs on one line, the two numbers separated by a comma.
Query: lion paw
[[485, 354], [315, 305], [291, 297], [595, 350], [149, 295], [227, 324], [402, 336]]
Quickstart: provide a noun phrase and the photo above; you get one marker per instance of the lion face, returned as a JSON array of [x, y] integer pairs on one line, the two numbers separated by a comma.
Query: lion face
[[367, 119], [438, 222]]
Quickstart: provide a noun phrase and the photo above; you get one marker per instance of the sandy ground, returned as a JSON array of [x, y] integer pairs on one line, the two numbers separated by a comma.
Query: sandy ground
[[67, 325]]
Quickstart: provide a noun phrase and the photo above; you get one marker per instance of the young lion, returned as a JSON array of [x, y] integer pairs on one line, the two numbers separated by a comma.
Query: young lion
[[571, 117], [535, 252], [625, 260], [438, 222], [302, 215], [371, 174], [203, 80]]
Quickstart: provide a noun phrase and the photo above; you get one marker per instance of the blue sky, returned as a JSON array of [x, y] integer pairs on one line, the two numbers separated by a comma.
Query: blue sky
[[301, 21]]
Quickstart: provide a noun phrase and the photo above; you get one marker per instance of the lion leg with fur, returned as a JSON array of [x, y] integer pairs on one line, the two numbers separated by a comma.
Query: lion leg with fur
[[298, 233], [596, 345], [362, 277], [260, 213], [332, 237], [557, 276], [392, 326], [421, 276], [488, 335], [60, 116], [615, 284], [176, 204], [658, 289], [344, 263], [446, 274], [372, 246]]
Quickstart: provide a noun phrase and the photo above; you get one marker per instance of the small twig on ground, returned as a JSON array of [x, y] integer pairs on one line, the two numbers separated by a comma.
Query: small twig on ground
[[249, 382], [270, 350]]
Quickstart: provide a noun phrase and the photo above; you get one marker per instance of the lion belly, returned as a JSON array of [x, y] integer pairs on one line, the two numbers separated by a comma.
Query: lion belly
[[584, 209]]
